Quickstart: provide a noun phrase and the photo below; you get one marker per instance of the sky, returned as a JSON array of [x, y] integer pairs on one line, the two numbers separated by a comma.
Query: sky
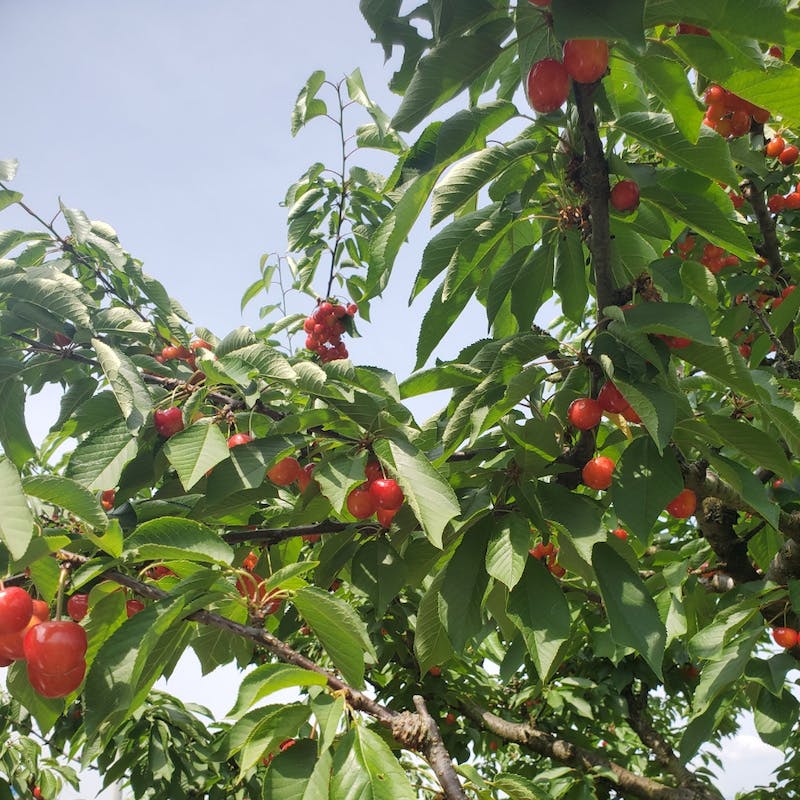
[[170, 121]]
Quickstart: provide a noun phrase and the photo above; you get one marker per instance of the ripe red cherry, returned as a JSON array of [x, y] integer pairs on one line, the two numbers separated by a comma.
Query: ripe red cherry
[[78, 606], [387, 494], [168, 421], [785, 637], [775, 146], [16, 608], [170, 352], [198, 344], [55, 646], [239, 438], [584, 413], [625, 196], [360, 503], [596, 474], [305, 477], [107, 499], [683, 505], [548, 85], [286, 471], [776, 203], [631, 416], [792, 201], [611, 399], [37, 793], [56, 684], [620, 533], [373, 470], [586, 60], [435, 671], [789, 155], [133, 607], [385, 516]]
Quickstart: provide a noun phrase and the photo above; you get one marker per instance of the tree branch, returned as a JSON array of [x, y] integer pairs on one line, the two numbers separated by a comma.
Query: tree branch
[[546, 744], [594, 178]]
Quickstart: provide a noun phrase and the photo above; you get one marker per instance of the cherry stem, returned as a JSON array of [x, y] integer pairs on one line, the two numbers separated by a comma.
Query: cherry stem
[[62, 582]]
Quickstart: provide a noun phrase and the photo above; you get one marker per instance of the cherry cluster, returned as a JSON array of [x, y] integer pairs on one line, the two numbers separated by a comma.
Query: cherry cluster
[[729, 115], [324, 329], [173, 352], [784, 202], [713, 257], [54, 650], [548, 82], [787, 154], [548, 554], [585, 412], [379, 495], [78, 606]]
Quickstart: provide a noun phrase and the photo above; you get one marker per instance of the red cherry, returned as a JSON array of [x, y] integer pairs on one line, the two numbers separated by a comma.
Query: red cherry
[[37, 792], [133, 607], [683, 505], [305, 477], [715, 95], [352, 309], [785, 637], [78, 606], [775, 146], [387, 494], [611, 399], [776, 203], [625, 196], [286, 744], [170, 352], [548, 85], [620, 533], [168, 421], [586, 60], [385, 516], [360, 503], [789, 155], [596, 474], [450, 718], [286, 471], [239, 438], [435, 671], [56, 684], [792, 201], [198, 344], [584, 413], [373, 470], [55, 646], [16, 608], [631, 416], [107, 499], [775, 51]]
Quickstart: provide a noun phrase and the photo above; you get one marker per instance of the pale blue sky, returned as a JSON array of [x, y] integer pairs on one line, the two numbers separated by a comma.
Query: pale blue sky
[[170, 121]]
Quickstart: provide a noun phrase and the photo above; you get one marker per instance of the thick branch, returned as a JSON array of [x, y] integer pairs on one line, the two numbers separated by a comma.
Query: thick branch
[[716, 522], [640, 722], [594, 178], [567, 753], [436, 754]]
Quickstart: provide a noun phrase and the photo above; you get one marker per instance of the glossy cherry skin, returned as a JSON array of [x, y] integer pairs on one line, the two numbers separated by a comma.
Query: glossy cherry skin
[[239, 438], [620, 533], [133, 607], [785, 637], [683, 505], [55, 647], [16, 608], [611, 399], [586, 60], [373, 470], [625, 196], [108, 498], [11, 644], [385, 516], [584, 413], [548, 85], [305, 477], [78, 606], [596, 474], [168, 421], [387, 494], [361, 503], [286, 471], [58, 684]]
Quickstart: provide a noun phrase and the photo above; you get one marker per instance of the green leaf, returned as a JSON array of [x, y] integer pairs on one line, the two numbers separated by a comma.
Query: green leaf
[[442, 74], [126, 383], [269, 678], [708, 156], [339, 629], [747, 485], [364, 768], [338, 475], [195, 450], [645, 482], [380, 572], [518, 788], [168, 538], [463, 586], [16, 520], [700, 281], [775, 717], [569, 280], [14, 437], [631, 610], [673, 319], [430, 496], [308, 105], [615, 19], [129, 662], [431, 645], [291, 774], [507, 553], [69, 495], [43, 710], [260, 733], [539, 610], [97, 462], [758, 446]]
